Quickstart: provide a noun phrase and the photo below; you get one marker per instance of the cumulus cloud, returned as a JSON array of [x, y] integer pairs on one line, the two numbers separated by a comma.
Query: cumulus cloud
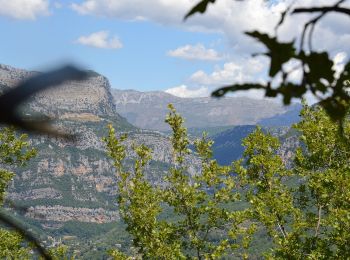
[[165, 12], [231, 72], [101, 40], [195, 52], [24, 9], [228, 17], [185, 92]]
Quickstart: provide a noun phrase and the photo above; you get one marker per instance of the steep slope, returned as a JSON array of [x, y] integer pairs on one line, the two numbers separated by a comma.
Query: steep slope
[[228, 146], [148, 109], [74, 181]]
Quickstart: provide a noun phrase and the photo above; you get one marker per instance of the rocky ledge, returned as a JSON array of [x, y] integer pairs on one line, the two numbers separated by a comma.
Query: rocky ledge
[[63, 214]]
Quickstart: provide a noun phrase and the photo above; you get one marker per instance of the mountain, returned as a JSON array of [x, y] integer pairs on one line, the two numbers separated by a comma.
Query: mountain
[[228, 146], [74, 181], [148, 109], [286, 119], [69, 190]]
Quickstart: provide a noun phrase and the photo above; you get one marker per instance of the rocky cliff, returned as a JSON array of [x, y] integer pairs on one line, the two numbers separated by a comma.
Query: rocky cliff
[[75, 181], [70, 187]]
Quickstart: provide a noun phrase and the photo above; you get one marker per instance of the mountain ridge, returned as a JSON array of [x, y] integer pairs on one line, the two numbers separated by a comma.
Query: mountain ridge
[[72, 177], [148, 109]]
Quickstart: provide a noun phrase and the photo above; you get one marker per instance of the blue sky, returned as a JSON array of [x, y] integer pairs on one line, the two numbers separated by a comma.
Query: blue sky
[[145, 45], [142, 63]]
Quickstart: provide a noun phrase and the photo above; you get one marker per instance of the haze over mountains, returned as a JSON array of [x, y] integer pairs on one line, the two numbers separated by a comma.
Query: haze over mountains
[[148, 109]]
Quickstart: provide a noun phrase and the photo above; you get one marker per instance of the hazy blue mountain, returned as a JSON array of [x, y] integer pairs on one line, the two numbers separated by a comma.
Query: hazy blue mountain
[[228, 146], [285, 119]]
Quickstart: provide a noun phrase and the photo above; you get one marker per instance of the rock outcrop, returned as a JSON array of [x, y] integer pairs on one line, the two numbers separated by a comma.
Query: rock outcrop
[[75, 180]]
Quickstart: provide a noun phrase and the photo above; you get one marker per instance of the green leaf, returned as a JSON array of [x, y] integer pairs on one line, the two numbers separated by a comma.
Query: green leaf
[[201, 7], [278, 52], [320, 67], [290, 90]]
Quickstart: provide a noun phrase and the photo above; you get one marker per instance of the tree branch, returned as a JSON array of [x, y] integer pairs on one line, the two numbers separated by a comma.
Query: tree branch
[[325, 9], [318, 221]]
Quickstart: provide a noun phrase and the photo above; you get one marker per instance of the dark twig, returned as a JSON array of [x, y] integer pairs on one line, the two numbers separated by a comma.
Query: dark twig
[[322, 9], [283, 16]]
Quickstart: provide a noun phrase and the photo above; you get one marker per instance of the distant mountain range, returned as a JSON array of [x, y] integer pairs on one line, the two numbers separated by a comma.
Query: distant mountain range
[[286, 119], [147, 110]]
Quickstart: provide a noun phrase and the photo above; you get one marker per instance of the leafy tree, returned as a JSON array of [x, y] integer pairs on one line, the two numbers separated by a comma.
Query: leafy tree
[[324, 192], [14, 150], [60, 253], [11, 246], [318, 75], [198, 205], [304, 210], [261, 173], [309, 219]]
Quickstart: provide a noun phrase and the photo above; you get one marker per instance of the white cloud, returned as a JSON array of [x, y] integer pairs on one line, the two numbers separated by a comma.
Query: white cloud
[[339, 63], [229, 17], [195, 52], [156, 10], [184, 92], [231, 72], [101, 40], [24, 9]]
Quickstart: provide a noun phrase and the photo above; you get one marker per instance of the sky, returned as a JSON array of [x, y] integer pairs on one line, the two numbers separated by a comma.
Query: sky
[[146, 45]]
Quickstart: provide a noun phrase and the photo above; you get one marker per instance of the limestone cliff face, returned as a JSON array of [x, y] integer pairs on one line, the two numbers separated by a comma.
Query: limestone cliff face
[[10, 76], [84, 101], [75, 181], [79, 100]]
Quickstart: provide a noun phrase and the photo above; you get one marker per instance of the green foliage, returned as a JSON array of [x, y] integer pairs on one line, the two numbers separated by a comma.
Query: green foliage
[[117, 255], [60, 253], [324, 194], [14, 150], [11, 246], [219, 211], [311, 219], [271, 202], [5, 178], [198, 204]]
